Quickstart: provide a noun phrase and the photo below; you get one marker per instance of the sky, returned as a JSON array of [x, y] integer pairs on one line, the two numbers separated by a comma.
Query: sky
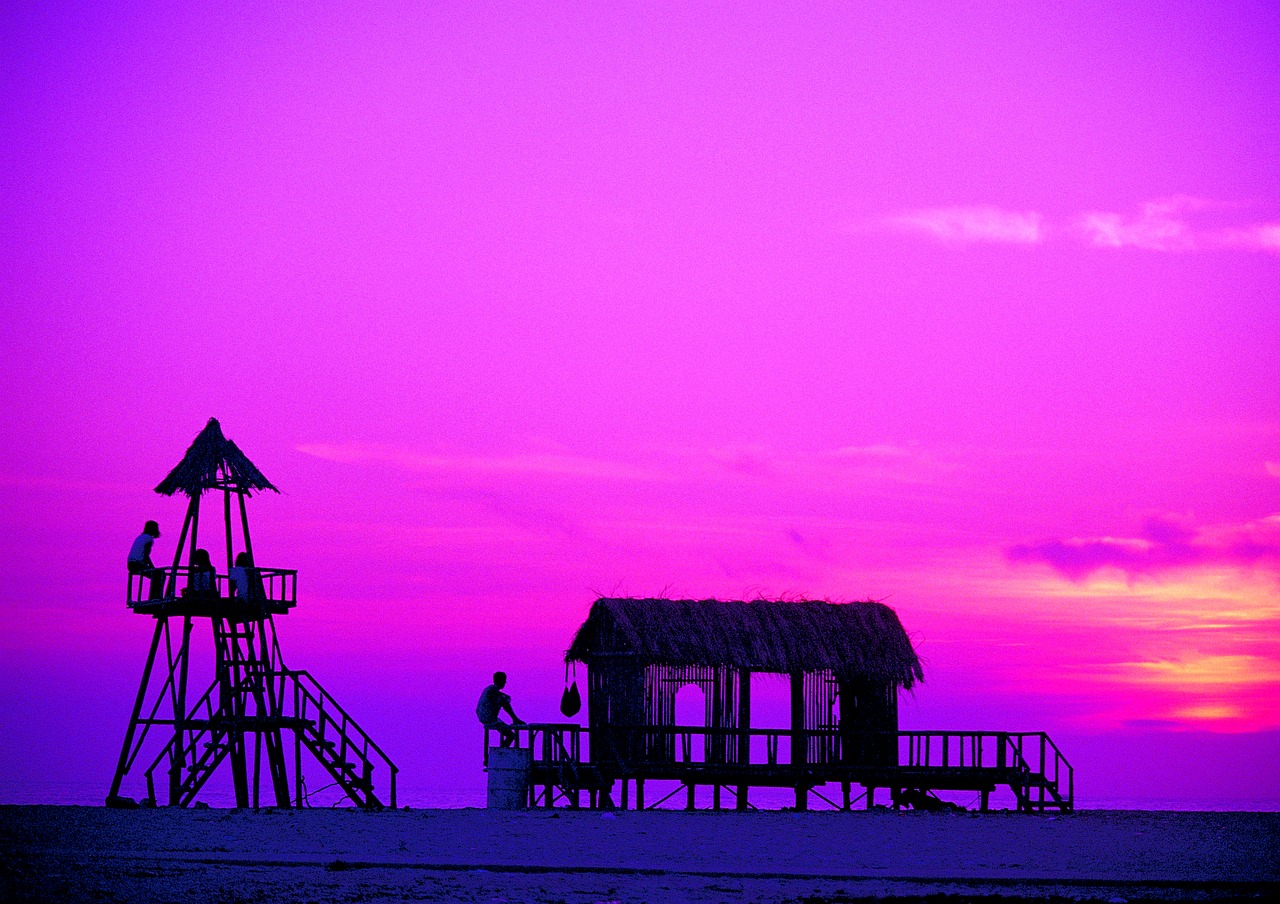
[[967, 308]]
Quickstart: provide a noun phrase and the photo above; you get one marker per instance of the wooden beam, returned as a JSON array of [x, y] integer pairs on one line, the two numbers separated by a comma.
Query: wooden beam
[[125, 749]]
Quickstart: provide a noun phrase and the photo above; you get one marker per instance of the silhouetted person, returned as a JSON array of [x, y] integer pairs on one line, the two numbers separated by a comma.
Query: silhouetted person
[[241, 576], [918, 799], [492, 701], [140, 559], [204, 579]]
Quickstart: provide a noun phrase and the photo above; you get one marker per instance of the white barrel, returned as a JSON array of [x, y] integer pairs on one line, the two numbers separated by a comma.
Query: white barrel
[[509, 778]]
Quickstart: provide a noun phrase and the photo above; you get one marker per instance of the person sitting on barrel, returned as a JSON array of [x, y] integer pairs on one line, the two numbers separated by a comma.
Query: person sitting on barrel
[[492, 701]]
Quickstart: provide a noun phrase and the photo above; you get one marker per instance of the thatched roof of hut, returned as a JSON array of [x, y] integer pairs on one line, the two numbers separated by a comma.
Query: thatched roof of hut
[[199, 469], [854, 639]]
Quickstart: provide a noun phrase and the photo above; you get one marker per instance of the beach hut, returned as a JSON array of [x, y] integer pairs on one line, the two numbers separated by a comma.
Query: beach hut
[[845, 663]]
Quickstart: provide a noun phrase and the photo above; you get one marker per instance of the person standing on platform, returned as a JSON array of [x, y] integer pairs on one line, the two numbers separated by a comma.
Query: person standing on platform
[[492, 701]]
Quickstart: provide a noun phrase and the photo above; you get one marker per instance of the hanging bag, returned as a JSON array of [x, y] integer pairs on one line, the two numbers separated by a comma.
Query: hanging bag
[[570, 700]]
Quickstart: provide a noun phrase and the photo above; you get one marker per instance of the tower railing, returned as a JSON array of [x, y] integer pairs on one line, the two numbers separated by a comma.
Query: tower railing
[[277, 587]]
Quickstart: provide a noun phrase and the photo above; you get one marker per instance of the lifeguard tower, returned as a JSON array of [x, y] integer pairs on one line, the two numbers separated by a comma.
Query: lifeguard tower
[[252, 706]]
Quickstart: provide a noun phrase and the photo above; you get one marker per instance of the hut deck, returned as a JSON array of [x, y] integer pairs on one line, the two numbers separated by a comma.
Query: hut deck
[[1028, 763]]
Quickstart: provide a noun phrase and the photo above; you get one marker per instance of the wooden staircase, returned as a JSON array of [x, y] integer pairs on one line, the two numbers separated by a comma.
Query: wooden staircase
[[345, 750], [300, 704]]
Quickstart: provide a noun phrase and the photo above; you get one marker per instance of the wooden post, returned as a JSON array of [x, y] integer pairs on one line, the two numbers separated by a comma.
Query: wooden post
[[871, 797], [846, 794], [126, 748], [195, 530], [180, 716], [626, 792], [639, 794], [172, 584], [226, 513], [744, 730], [275, 709], [986, 796], [799, 740], [715, 796], [244, 526], [257, 767], [297, 766], [690, 805]]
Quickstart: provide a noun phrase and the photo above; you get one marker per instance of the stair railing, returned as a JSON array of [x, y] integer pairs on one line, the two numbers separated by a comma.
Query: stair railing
[[311, 702]]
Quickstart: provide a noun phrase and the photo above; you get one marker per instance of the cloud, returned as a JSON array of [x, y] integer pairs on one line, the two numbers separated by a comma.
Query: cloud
[[1200, 671], [1262, 237], [1160, 227], [1175, 224], [554, 465], [879, 463], [972, 224], [1162, 546], [1273, 468]]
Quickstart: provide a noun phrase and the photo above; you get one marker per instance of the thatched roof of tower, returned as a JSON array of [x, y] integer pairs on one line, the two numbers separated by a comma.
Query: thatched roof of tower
[[199, 469], [854, 639]]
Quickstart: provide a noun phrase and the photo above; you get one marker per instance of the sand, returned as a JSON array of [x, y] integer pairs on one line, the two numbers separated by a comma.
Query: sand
[[94, 854]]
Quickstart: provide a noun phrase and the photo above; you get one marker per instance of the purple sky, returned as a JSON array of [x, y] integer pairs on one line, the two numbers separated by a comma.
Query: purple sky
[[969, 309]]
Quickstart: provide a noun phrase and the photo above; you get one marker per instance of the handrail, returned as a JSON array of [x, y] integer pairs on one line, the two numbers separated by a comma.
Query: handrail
[[308, 689], [276, 585], [1028, 753], [572, 752]]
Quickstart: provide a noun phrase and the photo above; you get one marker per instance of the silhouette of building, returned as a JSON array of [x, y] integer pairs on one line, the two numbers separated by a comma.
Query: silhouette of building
[[248, 705], [845, 664]]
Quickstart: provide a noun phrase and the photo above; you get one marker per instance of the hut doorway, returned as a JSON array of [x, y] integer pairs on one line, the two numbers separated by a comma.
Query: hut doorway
[[691, 712], [770, 708]]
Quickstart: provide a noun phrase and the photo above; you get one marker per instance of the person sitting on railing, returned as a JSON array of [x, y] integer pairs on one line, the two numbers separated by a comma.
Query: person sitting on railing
[[204, 579], [492, 701], [139, 561]]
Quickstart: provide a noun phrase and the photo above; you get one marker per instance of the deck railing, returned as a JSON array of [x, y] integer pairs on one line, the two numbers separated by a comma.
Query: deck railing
[[551, 743], [1028, 760], [275, 586]]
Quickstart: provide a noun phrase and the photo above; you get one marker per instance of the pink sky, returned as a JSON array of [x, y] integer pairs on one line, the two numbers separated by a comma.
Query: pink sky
[[970, 310]]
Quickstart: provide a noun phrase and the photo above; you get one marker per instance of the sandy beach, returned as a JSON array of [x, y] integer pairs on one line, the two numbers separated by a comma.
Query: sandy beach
[[584, 857]]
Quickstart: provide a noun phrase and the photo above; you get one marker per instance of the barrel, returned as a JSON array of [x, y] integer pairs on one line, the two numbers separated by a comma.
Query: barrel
[[509, 778]]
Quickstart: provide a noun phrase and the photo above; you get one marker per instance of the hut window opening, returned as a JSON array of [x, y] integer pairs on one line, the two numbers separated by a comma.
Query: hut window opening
[[770, 708]]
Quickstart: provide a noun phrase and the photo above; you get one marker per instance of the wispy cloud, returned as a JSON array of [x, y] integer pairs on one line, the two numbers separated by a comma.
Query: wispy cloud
[[1177, 224], [557, 465], [881, 462], [972, 224], [1159, 227], [1162, 545], [1200, 671]]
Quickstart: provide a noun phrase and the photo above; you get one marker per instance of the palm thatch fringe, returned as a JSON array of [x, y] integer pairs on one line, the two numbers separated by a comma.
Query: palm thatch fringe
[[864, 640], [199, 469]]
